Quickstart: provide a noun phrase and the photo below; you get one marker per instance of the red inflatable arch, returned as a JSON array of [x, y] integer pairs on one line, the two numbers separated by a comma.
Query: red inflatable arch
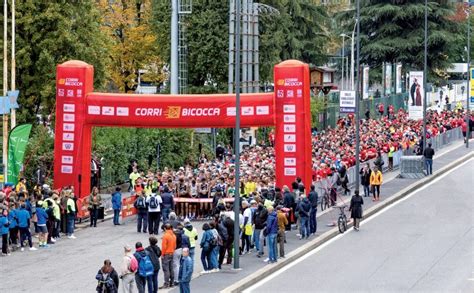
[[78, 109]]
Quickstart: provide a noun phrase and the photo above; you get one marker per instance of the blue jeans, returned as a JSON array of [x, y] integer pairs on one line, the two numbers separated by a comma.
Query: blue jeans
[[366, 190], [313, 222], [184, 287], [304, 231], [154, 281], [70, 224], [191, 253], [142, 220], [271, 238], [215, 257], [256, 239], [142, 281], [116, 217], [206, 259], [166, 214], [429, 166]]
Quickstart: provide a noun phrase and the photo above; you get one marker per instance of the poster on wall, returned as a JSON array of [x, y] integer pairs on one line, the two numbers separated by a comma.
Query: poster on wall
[[365, 83], [398, 79], [415, 102], [388, 78]]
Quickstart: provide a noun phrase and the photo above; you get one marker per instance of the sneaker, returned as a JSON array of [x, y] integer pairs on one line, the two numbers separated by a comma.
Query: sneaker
[[22, 249], [53, 240], [267, 260], [72, 237], [203, 273], [215, 270], [33, 248]]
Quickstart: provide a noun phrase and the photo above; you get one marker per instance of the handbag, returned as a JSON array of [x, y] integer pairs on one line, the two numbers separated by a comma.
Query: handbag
[[248, 230]]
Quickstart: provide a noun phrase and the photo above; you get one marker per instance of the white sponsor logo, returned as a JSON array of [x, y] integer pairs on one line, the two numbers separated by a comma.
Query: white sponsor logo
[[108, 111], [148, 112], [289, 118], [68, 146], [66, 159], [290, 162], [70, 93], [289, 128], [289, 108], [263, 110], [61, 92], [69, 107], [202, 111], [289, 148], [67, 169], [122, 111], [293, 82], [69, 117], [247, 111], [68, 127], [290, 93], [68, 136], [280, 94], [289, 138], [73, 82], [290, 171], [93, 110], [299, 93], [231, 111]]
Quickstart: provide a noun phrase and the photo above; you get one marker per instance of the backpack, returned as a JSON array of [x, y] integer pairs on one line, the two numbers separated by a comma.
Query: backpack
[[133, 264], [153, 202], [214, 240], [141, 203], [110, 284], [145, 266]]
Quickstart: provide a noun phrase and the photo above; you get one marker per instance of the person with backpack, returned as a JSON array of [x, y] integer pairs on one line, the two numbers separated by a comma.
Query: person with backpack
[[222, 230], [127, 270], [145, 270], [185, 272], [154, 203], [304, 208], [168, 246], [107, 279], [206, 248], [216, 242], [117, 205], [155, 254], [142, 212], [313, 201]]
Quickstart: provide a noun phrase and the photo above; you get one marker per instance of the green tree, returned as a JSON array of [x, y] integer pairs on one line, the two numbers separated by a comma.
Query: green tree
[[49, 33], [393, 31]]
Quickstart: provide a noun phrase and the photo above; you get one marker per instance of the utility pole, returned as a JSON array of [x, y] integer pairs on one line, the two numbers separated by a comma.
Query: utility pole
[[425, 77], [342, 61], [468, 91], [174, 48], [5, 89], [13, 69], [237, 135], [357, 89]]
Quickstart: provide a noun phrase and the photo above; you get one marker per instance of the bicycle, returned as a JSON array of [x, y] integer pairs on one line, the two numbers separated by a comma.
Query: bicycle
[[342, 220]]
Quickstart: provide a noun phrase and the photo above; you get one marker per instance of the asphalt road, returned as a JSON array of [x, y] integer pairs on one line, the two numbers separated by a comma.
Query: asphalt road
[[424, 244]]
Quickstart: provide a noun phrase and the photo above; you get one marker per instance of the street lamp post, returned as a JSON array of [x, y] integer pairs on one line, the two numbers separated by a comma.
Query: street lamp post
[[425, 77], [357, 114], [342, 60], [468, 91], [352, 53]]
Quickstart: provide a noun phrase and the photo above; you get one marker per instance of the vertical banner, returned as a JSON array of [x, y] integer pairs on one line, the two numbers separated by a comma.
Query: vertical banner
[[471, 101], [17, 142], [388, 78], [293, 123], [415, 103], [365, 82], [74, 80], [398, 79]]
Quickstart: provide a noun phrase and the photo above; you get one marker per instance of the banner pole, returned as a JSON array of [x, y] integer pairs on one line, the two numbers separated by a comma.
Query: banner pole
[[5, 89]]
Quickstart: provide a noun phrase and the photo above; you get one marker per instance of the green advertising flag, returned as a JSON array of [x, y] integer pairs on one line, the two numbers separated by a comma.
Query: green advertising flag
[[17, 142]]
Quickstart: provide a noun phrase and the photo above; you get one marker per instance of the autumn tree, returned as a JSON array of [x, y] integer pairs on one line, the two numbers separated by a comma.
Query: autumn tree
[[133, 45]]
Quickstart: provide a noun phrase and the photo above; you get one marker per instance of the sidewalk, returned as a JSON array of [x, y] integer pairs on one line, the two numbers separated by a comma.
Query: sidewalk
[[250, 263]]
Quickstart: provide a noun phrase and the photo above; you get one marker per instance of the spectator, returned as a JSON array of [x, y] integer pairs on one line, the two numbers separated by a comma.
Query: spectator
[[272, 231], [4, 224], [117, 205], [313, 200], [185, 272], [142, 212], [304, 209], [356, 209], [128, 269], [70, 215], [375, 181], [143, 276], [107, 279], [95, 201], [154, 203], [168, 203], [429, 153], [260, 222], [365, 179], [168, 246], [192, 234], [247, 228], [207, 245], [155, 253]]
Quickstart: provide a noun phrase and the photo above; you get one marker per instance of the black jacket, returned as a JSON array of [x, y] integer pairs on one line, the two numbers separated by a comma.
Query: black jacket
[[260, 217], [288, 200], [356, 206], [155, 254], [167, 199], [365, 177], [428, 153], [313, 198], [229, 225]]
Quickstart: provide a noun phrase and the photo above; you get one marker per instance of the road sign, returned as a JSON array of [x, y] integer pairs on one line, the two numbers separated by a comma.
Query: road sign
[[347, 102]]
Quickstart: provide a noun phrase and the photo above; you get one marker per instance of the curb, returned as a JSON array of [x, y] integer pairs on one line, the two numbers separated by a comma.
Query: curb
[[301, 251]]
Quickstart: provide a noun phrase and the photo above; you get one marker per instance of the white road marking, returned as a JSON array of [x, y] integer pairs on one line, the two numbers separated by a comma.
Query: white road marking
[[284, 269]]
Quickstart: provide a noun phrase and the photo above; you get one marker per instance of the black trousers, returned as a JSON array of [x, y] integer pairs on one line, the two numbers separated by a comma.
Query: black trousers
[[154, 222], [5, 243]]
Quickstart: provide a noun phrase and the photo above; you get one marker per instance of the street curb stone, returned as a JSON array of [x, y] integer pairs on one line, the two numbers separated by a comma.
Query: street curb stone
[[308, 247]]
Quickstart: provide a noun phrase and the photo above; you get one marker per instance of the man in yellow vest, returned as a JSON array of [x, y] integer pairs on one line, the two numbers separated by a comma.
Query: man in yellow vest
[[390, 157], [70, 215]]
